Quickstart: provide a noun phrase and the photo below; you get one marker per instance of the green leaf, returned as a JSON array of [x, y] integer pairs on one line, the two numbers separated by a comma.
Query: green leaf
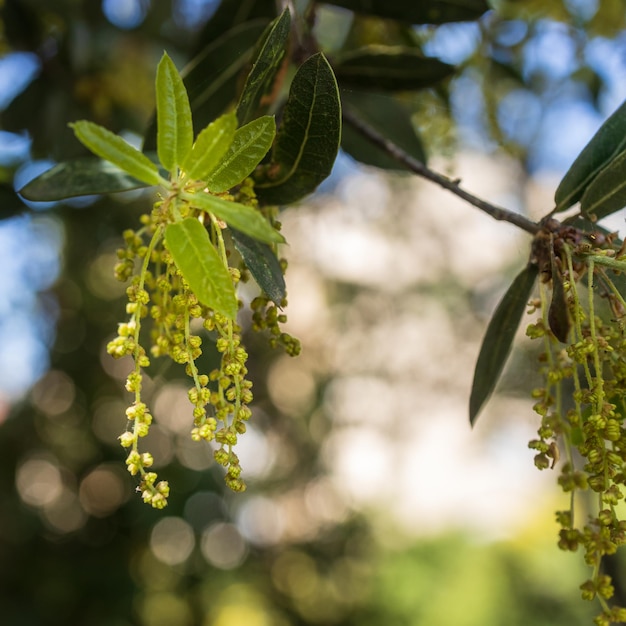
[[210, 147], [250, 144], [389, 117], [80, 177], [240, 216], [607, 192], [174, 128], [263, 265], [267, 64], [420, 12], [308, 139], [498, 339], [604, 146], [199, 263], [111, 147], [394, 68]]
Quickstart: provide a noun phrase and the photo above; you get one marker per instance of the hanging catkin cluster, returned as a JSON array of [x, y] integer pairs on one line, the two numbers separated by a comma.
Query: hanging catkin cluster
[[582, 402]]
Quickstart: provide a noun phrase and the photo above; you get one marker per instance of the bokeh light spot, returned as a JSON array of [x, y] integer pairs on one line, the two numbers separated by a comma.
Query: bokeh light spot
[[261, 521], [223, 546], [104, 490], [125, 14], [38, 481], [172, 540], [54, 393]]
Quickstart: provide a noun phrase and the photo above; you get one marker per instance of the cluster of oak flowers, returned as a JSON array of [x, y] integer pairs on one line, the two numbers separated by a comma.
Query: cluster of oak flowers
[[158, 294], [582, 402]]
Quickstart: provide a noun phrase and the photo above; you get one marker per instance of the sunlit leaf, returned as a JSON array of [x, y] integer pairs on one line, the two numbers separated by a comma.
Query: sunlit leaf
[[210, 147], [197, 259], [174, 128], [420, 11], [604, 146], [80, 177], [498, 339], [244, 218], [267, 64], [250, 144], [607, 192], [308, 139], [392, 68], [111, 147], [263, 265], [389, 117]]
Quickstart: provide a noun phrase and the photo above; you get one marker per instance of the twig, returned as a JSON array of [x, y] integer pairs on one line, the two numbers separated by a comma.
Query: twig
[[420, 169]]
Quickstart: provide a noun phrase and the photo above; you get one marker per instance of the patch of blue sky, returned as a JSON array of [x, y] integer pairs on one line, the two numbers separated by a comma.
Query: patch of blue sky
[[30, 246], [468, 109], [564, 131], [17, 70], [43, 244], [453, 43], [606, 57], [192, 14], [30, 250], [14, 148], [582, 9], [519, 115], [509, 33], [24, 357], [125, 14], [551, 51]]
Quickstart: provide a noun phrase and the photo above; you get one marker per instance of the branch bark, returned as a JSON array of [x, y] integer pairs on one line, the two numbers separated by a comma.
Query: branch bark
[[420, 169]]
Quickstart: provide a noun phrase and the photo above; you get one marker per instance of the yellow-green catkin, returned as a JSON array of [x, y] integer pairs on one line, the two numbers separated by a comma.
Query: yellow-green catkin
[[582, 406], [164, 321]]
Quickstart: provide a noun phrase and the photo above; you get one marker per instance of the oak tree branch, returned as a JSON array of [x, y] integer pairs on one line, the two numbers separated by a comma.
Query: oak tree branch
[[420, 169]]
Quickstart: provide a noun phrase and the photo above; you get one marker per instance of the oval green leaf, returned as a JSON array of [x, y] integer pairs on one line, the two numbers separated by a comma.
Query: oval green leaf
[[174, 127], [210, 147], [263, 265], [199, 263], [604, 146], [422, 12], [240, 216], [111, 147], [267, 64], [498, 339], [250, 144], [392, 68], [80, 177], [308, 139], [390, 118], [607, 192]]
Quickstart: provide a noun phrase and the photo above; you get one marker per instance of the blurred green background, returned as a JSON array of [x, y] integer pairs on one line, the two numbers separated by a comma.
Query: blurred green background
[[370, 501]]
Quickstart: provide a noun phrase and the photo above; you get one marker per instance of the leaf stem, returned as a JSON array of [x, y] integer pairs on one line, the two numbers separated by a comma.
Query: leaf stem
[[394, 151]]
